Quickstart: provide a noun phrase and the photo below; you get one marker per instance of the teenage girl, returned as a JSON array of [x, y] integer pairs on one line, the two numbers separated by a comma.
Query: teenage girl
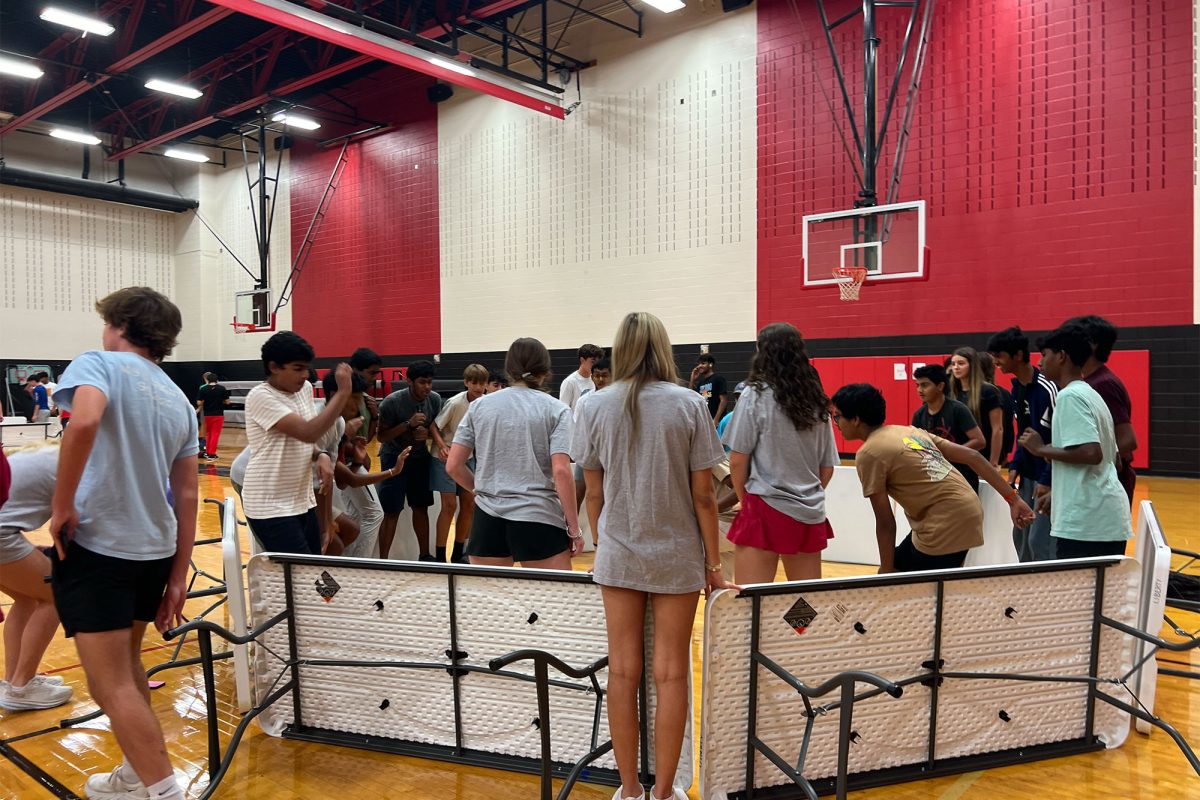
[[969, 386]]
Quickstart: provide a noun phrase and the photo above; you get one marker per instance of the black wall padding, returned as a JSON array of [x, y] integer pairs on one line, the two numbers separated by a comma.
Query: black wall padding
[[93, 190]]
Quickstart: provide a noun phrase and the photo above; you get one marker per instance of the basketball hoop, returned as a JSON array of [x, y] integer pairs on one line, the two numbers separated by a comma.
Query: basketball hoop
[[849, 281], [242, 327]]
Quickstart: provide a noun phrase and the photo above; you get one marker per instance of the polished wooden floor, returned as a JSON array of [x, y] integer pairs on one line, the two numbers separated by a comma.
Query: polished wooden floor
[[266, 767]]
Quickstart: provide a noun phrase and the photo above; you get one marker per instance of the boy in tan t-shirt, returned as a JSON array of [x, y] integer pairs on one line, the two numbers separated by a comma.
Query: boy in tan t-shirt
[[913, 467]]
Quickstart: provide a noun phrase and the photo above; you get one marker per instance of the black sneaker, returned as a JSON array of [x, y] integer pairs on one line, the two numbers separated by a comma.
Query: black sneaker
[[429, 558], [461, 560]]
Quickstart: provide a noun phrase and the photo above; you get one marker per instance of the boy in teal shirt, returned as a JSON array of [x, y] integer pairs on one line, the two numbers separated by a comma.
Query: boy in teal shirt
[[1089, 512]]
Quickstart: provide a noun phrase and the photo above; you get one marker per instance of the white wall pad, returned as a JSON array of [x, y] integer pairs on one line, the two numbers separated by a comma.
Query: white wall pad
[[1154, 555], [235, 595], [998, 665], [434, 660]]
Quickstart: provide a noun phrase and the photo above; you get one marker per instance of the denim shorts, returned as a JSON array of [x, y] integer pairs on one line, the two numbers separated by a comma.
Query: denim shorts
[[441, 482]]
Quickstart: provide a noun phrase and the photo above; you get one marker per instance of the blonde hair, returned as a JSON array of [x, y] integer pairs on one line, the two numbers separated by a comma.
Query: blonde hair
[[475, 373], [40, 444], [641, 354]]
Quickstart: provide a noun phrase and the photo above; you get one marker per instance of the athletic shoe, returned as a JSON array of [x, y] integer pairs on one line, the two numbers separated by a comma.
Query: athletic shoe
[[618, 796], [34, 695], [120, 784], [429, 558], [676, 794], [53, 680], [461, 560]]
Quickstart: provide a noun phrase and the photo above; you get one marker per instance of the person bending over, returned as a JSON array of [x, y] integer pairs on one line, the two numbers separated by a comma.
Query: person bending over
[[524, 494], [32, 620], [121, 550], [1089, 510], [648, 447], [782, 455], [913, 467], [283, 429]]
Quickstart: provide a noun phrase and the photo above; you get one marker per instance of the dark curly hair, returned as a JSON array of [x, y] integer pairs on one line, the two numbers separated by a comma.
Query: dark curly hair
[[781, 364]]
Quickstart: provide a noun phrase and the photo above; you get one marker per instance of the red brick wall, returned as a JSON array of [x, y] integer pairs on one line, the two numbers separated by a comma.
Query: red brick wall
[[1052, 143], [373, 276]]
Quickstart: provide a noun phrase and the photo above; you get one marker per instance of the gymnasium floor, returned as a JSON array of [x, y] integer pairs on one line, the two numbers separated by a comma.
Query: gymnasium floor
[[266, 767]]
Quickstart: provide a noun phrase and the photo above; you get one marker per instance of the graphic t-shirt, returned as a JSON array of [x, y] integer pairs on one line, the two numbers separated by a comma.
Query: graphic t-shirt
[[399, 407], [712, 389], [905, 462], [213, 397], [1112, 391], [952, 422], [147, 426], [1087, 501]]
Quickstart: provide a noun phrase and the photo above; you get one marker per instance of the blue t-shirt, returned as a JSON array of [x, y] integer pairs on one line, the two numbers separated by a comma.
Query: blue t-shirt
[[41, 397], [147, 426], [721, 426]]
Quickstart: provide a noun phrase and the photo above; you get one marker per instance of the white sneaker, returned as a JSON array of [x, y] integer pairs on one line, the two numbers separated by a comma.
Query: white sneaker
[[676, 794], [53, 680], [120, 784], [618, 796], [33, 695]]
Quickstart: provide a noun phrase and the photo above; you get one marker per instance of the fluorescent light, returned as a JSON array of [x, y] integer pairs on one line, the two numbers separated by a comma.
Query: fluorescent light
[[74, 136], [73, 20], [453, 66], [293, 121], [186, 155], [665, 6], [174, 88], [22, 69]]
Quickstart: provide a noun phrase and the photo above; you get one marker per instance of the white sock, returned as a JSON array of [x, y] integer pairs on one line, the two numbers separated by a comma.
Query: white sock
[[166, 789]]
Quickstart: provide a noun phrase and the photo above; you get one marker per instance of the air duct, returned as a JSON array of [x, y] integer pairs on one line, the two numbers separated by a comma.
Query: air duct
[[93, 190]]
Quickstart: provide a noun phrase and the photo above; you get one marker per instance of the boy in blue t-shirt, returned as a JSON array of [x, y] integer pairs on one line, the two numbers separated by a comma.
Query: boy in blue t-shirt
[[122, 548], [1089, 513]]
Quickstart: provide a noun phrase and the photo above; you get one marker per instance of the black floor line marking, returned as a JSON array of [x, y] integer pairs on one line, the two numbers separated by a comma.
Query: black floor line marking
[[37, 773], [29, 735]]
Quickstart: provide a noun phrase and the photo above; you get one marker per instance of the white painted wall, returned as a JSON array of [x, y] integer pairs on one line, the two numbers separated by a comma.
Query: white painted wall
[[643, 199], [59, 254]]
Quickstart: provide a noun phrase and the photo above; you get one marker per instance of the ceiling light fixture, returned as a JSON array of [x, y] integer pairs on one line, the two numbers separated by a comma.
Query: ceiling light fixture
[[293, 121], [453, 66], [186, 155], [73, 20], [71, 135], [665, 6], [174, 88], [22, 69]]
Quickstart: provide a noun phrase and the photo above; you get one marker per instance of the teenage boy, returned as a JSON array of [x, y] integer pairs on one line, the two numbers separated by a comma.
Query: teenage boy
[[283, 429], [946, 417], [1034, 396], [602, 373], [913, 468], [50, 386], [442, 436], [41, 399], [573, 387], [213, 399], [121, 549], [367, 363], [496, 382], [404, 420], [710, 385], [1103, 336], [1089, 512]]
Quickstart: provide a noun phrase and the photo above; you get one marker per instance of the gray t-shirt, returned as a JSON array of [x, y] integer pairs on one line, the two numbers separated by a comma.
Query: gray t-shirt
[[513, 434], [147, 426], [649, 535], [785, 463], [399, 407], [28, 506]]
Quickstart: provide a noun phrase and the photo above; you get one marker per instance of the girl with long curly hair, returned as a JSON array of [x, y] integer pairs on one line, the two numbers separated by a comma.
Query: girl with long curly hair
[[782, 455]]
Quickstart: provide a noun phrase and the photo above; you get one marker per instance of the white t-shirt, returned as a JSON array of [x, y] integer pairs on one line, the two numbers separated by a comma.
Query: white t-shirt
[[279, 476], [573, 387]]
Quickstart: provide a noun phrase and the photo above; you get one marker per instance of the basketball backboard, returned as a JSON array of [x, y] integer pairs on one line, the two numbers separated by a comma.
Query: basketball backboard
[[888, 241], [253, 311]]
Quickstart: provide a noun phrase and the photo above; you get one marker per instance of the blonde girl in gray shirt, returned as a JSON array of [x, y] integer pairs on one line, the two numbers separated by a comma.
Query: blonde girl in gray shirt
[[647, 444]]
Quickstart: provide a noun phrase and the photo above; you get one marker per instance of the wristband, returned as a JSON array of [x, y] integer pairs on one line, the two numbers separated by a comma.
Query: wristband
[[712, 567], [1009, 498]]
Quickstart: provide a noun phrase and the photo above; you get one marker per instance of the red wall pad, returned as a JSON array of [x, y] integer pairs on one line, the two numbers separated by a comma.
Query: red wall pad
[[372, 279], [1051, 140]]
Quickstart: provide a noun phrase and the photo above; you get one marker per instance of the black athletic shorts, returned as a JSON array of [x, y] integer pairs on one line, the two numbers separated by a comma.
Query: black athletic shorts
[[1080, 548], [412, 484], [299, 534], [96, 593], [909, 559], [493, 537]]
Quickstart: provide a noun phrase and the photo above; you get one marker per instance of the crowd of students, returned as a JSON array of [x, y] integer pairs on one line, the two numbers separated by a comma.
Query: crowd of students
[[638, 450]]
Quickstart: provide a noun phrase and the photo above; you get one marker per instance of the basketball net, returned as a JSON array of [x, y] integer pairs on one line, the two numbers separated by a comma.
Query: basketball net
[[849, 281]]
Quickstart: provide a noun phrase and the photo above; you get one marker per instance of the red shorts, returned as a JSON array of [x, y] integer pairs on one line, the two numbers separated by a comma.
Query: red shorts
[[758, 525]]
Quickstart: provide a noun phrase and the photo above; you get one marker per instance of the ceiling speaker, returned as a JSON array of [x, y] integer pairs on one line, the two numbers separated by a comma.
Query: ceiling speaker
[[439, 92]]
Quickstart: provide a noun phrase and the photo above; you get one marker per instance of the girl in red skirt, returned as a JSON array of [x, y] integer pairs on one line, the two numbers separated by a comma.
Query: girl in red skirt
[[782, 455]]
